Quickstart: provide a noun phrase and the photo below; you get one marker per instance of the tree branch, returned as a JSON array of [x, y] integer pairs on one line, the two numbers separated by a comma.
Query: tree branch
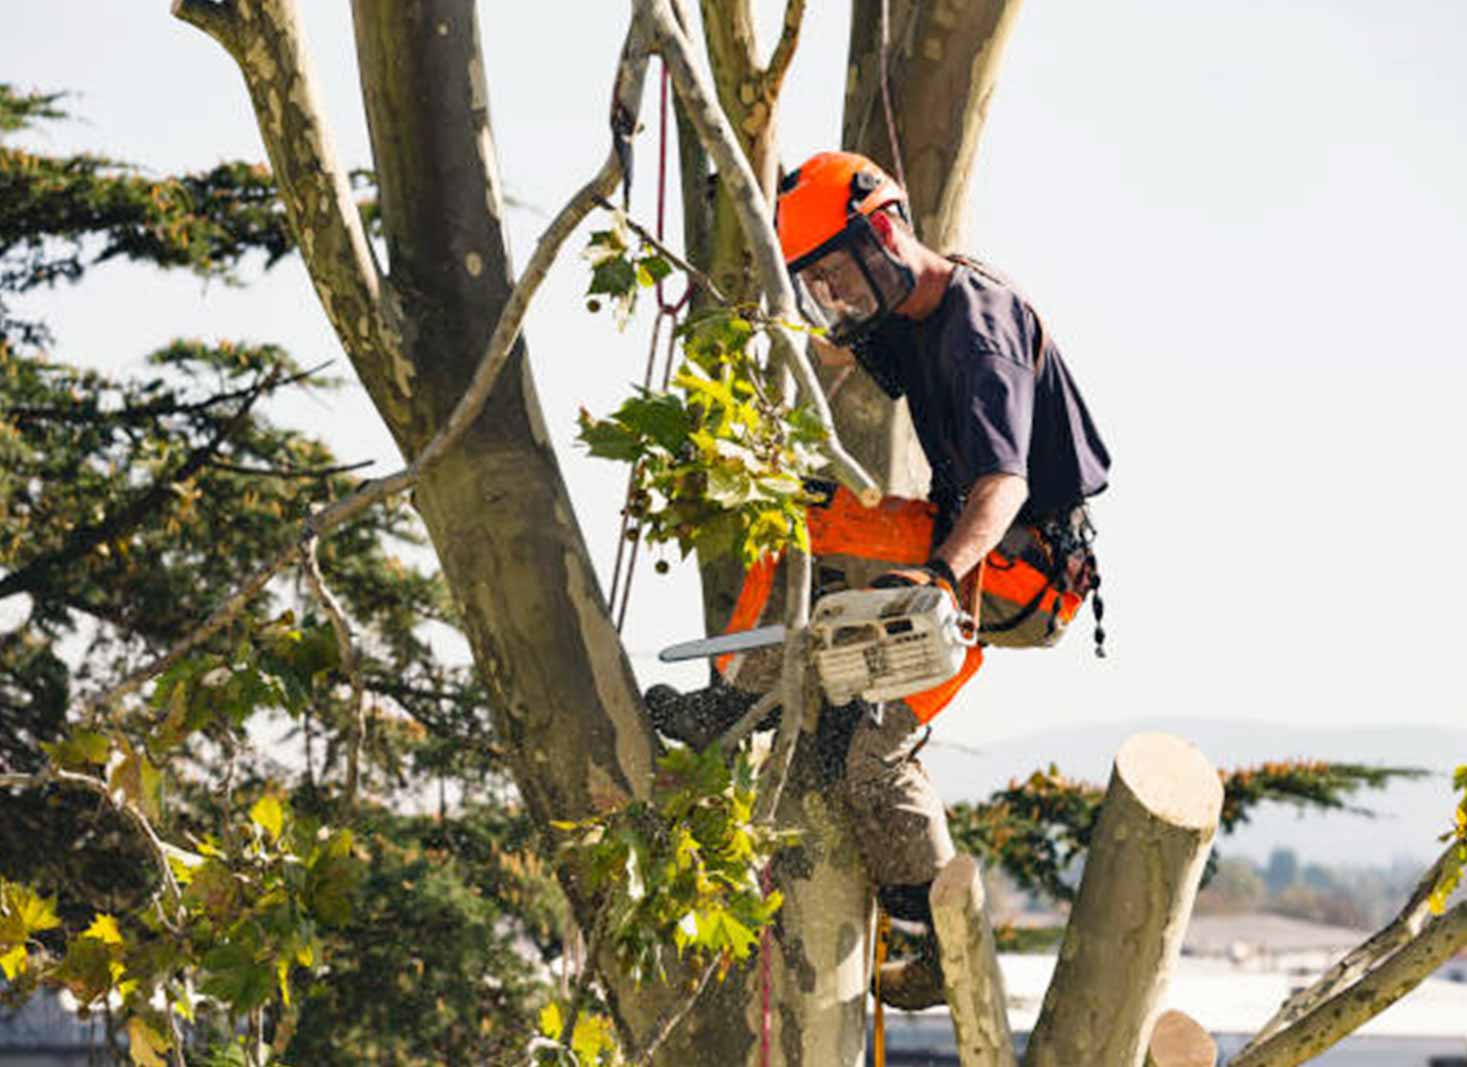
[[801, 701], [291, 472], [80, 542], [671, 1017], [784, 50], [124, 807], [217, 18], [266, 40], [1407, 925], [350, 664], [733, 168], [1346, 1011]]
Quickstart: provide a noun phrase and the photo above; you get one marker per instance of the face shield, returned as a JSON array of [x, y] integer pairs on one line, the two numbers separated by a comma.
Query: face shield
[[850, 283]]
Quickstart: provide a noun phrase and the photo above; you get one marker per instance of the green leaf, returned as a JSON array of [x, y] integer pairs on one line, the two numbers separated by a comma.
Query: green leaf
[[232, 974], [606, 439], [80, 749], [660, 416], [268, 813], [331, 881]]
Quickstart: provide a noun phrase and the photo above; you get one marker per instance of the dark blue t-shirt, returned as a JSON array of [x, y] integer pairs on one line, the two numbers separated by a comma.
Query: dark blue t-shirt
[[983, 401]]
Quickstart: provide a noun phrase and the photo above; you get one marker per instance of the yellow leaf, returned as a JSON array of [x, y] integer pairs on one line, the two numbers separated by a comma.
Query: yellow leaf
[[269, 815], [551, 1022], [104, 928], [35, 912], [282, 974], [145, 1044], [14, 962]]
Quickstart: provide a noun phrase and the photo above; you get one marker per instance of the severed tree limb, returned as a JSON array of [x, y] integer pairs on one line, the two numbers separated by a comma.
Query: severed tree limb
[[350, 664], [1339, 1015], [267, 42], [1147, 854], [707, 284], [1359, 961], [972, 980], [737, 177]]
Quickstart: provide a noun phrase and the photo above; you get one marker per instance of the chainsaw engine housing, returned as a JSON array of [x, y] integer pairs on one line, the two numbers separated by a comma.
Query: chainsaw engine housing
[[884, 644]]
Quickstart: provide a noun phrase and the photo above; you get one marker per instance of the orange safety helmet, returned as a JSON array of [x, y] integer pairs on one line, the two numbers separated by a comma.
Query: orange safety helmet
[[818, 198], [845, 278]]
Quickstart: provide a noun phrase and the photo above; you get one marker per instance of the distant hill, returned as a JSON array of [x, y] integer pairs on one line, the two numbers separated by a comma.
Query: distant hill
[[1408, 815]]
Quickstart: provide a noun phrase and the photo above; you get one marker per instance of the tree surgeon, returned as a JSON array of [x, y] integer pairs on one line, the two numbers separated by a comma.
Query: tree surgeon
[[1014, 456]]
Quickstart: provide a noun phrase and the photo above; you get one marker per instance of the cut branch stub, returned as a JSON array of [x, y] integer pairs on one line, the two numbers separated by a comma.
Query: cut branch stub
[[1125, 932], [972, 980]]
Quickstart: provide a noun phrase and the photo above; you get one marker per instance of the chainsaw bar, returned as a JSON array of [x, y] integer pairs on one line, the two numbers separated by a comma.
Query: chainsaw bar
[[760, 637]]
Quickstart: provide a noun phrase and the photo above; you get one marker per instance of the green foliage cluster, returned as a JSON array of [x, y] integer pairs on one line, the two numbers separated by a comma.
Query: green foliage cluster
[[1452, 874], [240, 915], [719, 462], [682, 869]]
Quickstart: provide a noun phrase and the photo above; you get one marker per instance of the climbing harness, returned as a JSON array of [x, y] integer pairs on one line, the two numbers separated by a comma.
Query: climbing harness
[[630, 535]]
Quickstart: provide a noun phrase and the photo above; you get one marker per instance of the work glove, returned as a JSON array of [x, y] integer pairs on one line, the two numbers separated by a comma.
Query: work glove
[[933, 572]]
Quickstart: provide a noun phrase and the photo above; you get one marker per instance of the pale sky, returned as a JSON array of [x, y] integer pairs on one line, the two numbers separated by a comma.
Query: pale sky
[[1242, 222]]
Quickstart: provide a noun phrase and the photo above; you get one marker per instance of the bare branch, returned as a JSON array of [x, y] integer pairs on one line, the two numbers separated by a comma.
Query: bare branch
[[718, 137], [699, 278], [350, 664], [671, 1017], [124, 807], [291, 472], [267, 42], [800, 699], [784, 50], [221, 617], [1358, 962], [734, 736], [1339, 1015]]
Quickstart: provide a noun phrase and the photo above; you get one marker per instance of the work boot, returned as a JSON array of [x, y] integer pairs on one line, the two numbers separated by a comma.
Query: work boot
[[915, 982], [700, 717]]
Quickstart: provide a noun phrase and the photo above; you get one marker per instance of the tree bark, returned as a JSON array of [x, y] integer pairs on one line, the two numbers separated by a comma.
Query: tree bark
[[1145, 862], [1348, 1010], [943, 64], [972, 980]]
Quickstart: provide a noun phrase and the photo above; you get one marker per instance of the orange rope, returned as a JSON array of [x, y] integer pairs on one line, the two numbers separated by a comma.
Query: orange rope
[[878, 1040]]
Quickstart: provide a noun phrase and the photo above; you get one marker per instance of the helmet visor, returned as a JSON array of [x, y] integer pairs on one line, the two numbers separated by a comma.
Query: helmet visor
[[850, 283]]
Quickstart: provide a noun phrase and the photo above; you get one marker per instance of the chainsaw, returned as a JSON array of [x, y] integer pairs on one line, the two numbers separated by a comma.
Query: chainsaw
[[876, 644]]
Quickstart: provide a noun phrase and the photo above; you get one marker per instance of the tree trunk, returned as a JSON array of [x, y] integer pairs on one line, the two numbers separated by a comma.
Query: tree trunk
[[1125, 932]]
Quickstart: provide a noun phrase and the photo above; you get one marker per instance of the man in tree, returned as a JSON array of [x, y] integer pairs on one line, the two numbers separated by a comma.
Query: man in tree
[[1014, 454]]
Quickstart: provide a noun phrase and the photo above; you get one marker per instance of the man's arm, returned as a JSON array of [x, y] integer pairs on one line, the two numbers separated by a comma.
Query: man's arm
[[993, 503]]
